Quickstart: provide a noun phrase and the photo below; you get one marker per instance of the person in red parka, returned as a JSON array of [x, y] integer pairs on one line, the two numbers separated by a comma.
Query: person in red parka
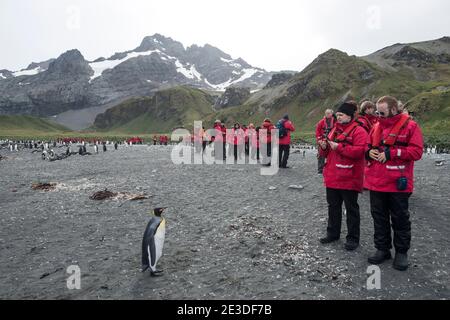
[[323, 129], [344, 150], [394, 143], [197, 139], [256, 144], [367, 116], [253, 137], [236, 141], [285, 142], [219, 142], [266, 141]]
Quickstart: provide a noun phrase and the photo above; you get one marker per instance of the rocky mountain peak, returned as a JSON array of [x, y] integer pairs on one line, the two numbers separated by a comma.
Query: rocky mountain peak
[[70, 62], [333, 54], [233, 96], [43, 65], [411, 55], [206, 53], [279, 79], [159, 42]]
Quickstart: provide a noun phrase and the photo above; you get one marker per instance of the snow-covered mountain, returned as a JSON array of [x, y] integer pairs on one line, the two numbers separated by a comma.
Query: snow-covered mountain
[[70, 82]]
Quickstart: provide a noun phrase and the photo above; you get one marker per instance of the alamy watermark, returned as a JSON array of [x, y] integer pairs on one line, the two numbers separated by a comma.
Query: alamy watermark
[[374, 279], [74, 280], [373, 21], [73, 21]]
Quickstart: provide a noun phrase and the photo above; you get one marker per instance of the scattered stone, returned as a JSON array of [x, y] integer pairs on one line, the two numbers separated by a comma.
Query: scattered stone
[[138, 197], [50, 273], [102, 195], [43, 186], [439, 163], [296, 187], [272, 188]]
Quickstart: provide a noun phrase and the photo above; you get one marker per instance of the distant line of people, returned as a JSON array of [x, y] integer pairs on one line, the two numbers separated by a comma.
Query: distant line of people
[[246, 141], [163, 140]]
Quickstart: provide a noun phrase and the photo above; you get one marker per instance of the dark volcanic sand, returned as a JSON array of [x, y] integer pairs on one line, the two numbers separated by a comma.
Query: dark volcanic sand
[[228, 236]]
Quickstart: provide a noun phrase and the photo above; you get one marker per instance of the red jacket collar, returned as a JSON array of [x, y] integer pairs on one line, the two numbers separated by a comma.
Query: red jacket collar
[[342, 127], [389, 122]]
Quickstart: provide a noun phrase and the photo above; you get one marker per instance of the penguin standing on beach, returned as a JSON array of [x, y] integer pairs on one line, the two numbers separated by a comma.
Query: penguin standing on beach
[[153, 242]]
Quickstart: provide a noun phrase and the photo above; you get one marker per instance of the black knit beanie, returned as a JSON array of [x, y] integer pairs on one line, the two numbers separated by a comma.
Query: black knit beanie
[[348, 109]]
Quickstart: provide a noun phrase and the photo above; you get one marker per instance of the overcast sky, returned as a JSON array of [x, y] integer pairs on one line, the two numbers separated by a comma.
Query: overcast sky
[[274, 35]]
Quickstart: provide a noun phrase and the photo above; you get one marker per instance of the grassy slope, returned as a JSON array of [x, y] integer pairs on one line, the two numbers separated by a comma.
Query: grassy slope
[[431, 106], [169, 109], [28, 126]]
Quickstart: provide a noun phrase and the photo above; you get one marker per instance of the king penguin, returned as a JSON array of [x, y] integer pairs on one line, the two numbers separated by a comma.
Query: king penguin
[[153, 242]]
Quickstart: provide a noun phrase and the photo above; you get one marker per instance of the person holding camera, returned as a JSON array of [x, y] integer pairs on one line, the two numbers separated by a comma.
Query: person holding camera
[[344, 149], [323, 129], [394, 144]]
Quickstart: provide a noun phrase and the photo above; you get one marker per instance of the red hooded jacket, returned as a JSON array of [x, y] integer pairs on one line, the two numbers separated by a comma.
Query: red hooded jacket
[[382, 177], [365, 123], [218, 137], [344, 169], [267, 125], [237, 137], [286, 140], [253, 138], [321, 128]]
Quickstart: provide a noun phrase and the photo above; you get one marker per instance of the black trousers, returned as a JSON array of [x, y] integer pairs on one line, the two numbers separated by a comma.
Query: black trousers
[[284, 155], [320, 164], [386, 208], [335, 198]]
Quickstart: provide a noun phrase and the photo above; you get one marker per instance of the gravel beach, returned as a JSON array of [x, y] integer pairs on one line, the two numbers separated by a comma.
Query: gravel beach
[[230, 234]]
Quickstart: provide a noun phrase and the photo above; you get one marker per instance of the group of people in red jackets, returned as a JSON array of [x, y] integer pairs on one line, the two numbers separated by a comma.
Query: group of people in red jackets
[[163, 140], [253, 141], [372, 147]]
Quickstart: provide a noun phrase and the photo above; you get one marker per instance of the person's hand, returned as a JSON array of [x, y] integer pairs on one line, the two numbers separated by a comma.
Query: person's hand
[[373, 154], [333, 145], [382, 157]]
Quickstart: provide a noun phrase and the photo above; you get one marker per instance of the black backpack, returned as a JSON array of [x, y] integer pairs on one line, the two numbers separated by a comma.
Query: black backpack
[[282, 131]]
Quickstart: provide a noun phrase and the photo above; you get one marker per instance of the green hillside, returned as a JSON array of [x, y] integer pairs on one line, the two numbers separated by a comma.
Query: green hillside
[[167, 110], [335, 77], [28, 126]]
